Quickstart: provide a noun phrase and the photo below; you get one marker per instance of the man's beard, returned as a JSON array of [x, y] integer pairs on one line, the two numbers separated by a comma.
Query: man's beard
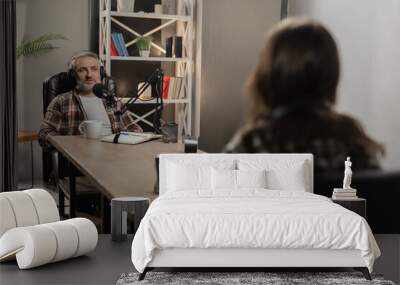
[[83, 87]]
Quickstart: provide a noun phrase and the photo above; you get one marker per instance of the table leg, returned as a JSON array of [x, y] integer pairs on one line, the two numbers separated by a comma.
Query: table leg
[[32, 173], [72, 191], [61, 202], [105, 215]]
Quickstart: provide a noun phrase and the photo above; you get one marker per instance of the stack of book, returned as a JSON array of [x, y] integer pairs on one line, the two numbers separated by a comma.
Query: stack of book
[[173, 47], [344, 194], [118, 47], [173, 87]]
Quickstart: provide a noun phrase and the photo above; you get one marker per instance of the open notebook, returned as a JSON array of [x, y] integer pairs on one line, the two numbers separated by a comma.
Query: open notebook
[[130, 137]]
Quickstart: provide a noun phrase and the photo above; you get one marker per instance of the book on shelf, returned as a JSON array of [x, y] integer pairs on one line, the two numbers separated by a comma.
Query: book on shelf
[[119, 44], [174, 47], [114, 37], [339, 197], [113, 49], [178, 88], [345, 194], [166, 82], [122, 43], [340, 190], [168, 47], [178, 46]]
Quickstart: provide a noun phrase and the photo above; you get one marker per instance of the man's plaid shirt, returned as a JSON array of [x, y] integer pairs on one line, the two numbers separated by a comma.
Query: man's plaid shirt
[[65, 113]]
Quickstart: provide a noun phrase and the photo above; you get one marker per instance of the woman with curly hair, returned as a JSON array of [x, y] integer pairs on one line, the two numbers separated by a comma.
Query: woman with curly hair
[[293, 91]]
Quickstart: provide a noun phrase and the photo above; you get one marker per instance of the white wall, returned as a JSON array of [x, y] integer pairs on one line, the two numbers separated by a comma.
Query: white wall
[[233, 33], [367, 33], [34, 18]]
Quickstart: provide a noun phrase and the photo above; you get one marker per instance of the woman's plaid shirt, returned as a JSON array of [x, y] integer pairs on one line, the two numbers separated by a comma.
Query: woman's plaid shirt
[[65, 113]]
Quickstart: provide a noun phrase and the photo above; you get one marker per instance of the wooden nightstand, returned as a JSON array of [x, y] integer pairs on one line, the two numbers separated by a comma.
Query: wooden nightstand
[[358, 205]]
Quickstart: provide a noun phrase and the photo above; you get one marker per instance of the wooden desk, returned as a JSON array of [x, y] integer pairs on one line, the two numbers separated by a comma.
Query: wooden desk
[[116, 170]]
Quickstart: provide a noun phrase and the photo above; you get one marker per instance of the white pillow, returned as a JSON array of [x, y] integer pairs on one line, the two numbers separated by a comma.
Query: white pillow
[[281, 174], [193, 173], [223, 179], [236, 179], [251, 178], [183, 177]]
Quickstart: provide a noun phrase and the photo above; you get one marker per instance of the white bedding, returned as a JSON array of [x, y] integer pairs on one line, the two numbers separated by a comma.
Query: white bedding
[[251, 218]]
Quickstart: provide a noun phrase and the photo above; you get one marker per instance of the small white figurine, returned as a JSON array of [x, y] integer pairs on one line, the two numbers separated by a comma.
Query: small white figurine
[[347, 174]]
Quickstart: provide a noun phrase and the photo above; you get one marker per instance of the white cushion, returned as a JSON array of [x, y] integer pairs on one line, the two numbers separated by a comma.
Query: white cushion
[[26, 208], [251, 178], [40, 244], [23, 208], [7, 218], [66, 237], [45, 205], [188, 177], [32, 246], [281, 174], [223, 179], [226, 179], [87, 234], [197, 168]]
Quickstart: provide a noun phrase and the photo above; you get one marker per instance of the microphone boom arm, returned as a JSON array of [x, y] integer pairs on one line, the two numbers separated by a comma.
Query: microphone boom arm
[[156, 81]]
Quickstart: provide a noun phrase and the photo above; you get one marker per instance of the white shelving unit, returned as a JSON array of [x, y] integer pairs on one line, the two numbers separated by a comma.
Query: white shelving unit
[[184, 67]]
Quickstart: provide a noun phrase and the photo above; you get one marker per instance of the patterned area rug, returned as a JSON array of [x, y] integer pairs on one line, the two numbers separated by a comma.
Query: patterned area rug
[[242, 278]]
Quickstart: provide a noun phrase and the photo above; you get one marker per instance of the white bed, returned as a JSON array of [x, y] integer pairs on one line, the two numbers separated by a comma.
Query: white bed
[[247, 210]]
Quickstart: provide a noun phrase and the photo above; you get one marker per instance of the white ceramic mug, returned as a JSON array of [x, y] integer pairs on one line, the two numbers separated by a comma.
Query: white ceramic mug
[[91, 129]]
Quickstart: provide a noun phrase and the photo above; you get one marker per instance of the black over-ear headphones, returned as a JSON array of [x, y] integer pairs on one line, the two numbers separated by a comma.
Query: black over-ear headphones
[[74, 57]]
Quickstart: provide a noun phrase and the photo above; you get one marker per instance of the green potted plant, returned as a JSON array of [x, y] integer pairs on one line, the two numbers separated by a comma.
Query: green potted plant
[[38, 46], [144, 45]]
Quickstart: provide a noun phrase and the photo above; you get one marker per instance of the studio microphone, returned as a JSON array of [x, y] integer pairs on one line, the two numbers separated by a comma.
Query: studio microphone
[[102, 92]]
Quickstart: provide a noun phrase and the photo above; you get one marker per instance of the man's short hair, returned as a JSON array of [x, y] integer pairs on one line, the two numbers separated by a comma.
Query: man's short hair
[[80, 54]]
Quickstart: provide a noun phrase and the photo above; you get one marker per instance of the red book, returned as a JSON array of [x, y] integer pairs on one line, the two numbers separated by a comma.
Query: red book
[[165, 87], [113, 49]]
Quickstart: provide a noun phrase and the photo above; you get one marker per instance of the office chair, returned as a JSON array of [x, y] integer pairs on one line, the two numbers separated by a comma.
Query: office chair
[[380, 188], [55, 167]]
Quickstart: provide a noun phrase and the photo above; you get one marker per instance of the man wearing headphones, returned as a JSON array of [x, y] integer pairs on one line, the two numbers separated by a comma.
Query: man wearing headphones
[[66, 112]]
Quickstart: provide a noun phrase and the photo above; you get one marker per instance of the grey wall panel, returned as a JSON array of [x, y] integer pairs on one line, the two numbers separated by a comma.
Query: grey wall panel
[[367, 35], [233, 34]]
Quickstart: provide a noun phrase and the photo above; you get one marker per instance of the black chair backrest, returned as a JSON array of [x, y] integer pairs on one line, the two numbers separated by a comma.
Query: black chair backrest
[[55, 85], [63, 82]]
